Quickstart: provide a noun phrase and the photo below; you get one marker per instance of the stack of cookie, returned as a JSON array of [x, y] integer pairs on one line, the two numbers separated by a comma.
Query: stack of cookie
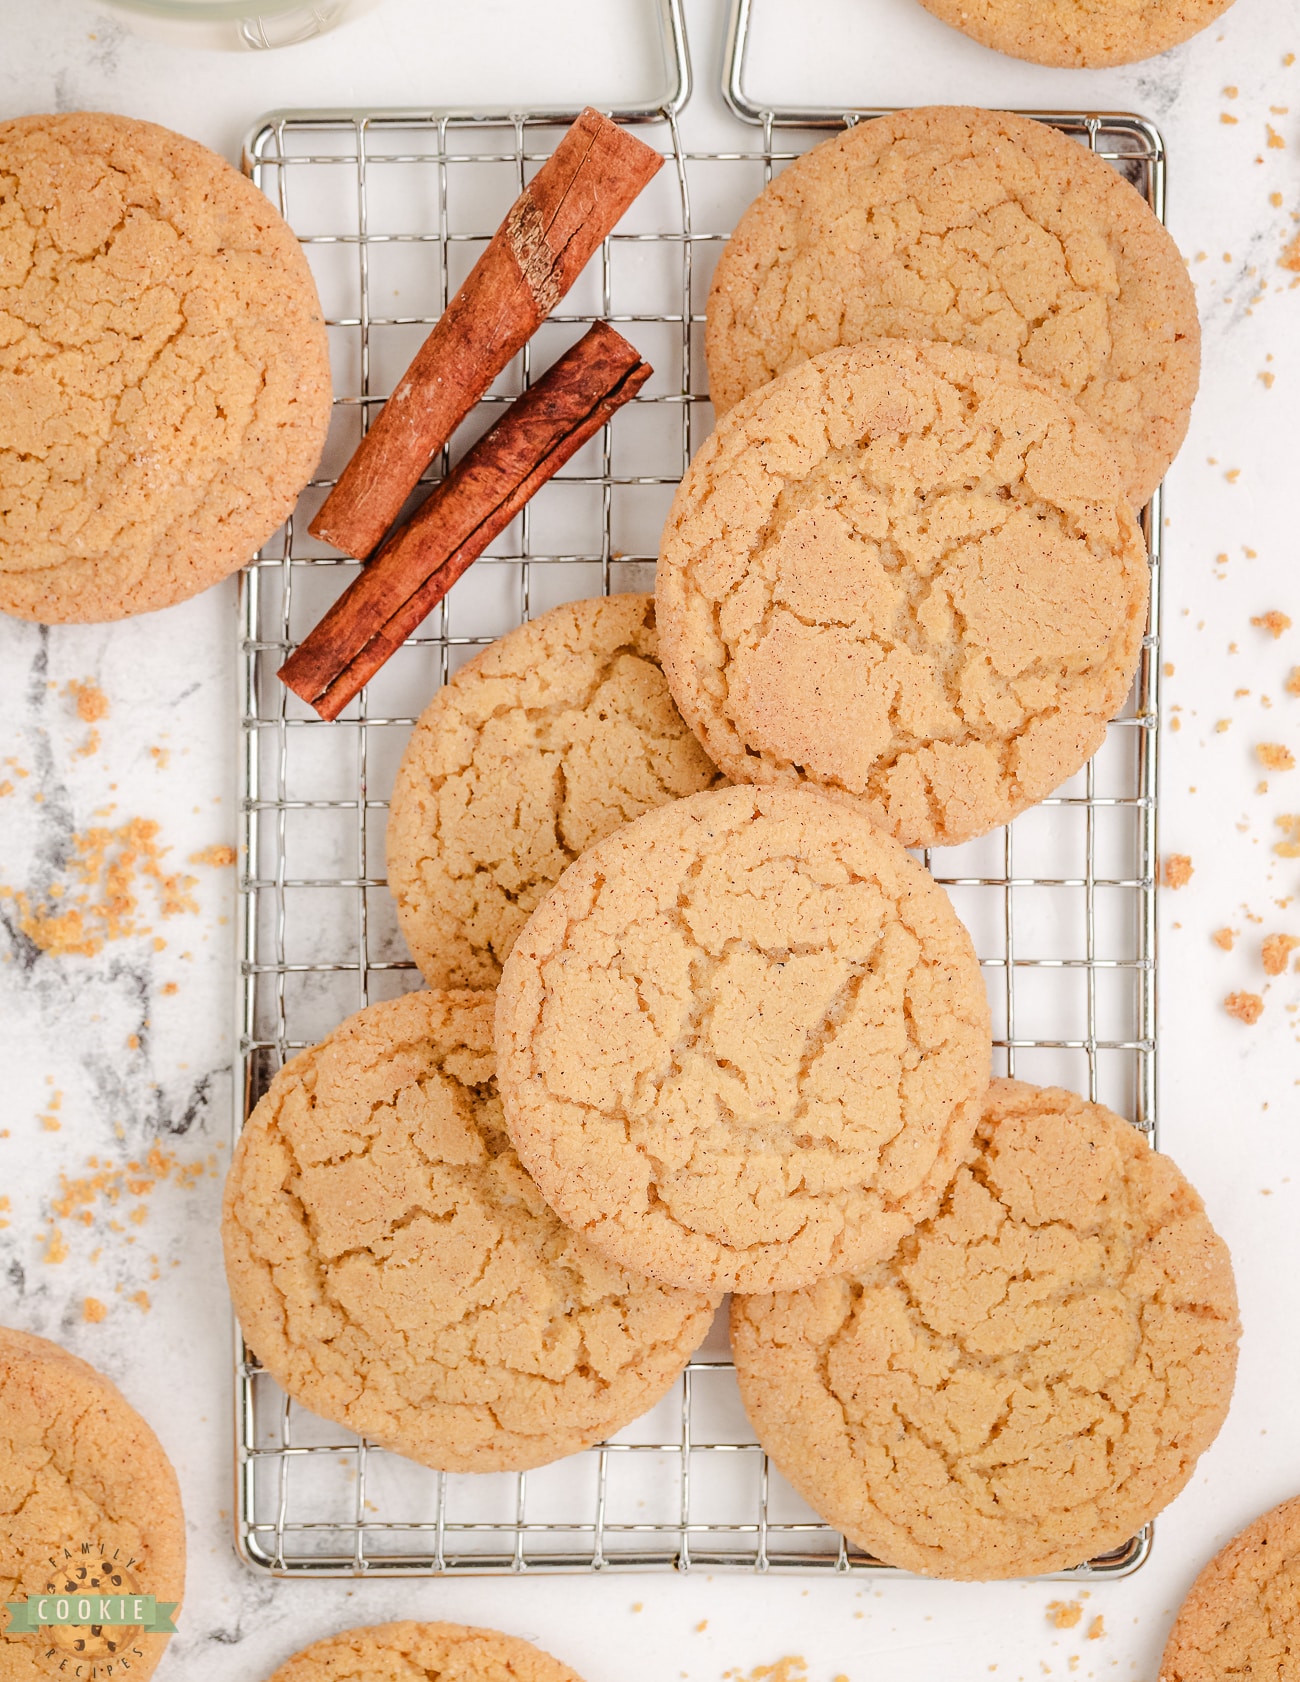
[[740, 1039]]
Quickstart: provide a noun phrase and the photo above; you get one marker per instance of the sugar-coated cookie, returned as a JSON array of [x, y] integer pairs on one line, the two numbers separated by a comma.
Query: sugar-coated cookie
[[977, 228], [1080, 33], [397, 1271], [545, 742], [1241, 1619], [908, 573], [164, 370], [89, 1504], [411, 1652], [1033, 1373], [735, 1040]]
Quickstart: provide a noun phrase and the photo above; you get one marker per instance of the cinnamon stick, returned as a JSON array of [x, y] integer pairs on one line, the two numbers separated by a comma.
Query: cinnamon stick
[[423, 559], [533, 259]]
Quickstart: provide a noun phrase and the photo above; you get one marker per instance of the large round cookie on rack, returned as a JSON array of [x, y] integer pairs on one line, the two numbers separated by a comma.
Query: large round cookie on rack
[[1030, 1377], [412, 1652], [1079, 33], [977, 228], [736, 1040], [396, 1270], [908, 573], [552, 737], [80, 1470], [164, 371], [1241, 1619]]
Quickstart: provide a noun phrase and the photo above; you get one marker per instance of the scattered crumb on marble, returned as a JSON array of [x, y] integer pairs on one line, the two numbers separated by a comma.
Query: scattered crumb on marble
[[1223, 939], [5, 1207], [217, 856], [1292, 684], [1274, 756], [790, 1667], [93, 1310], [1227, 117], [1064, 1614], [701, 1626], [1245, 1007], [104, 872], [56, 1249], [141, 1301], [1276, 951], [1178, 870], [92, 703], [83, 1197], [1290, 258], [169, 987], [89, 747], [1273, 622], [160, 757], [1223, 724], [1096, 1629]]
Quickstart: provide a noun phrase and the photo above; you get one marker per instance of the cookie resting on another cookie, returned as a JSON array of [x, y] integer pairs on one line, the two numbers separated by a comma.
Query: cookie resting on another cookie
[[906, 573], [396, 1270], [164, 368], [411, 1652], [1082, 33], [79, 1466], [552, 737], [978, 228], [1030, 1377], [1241, 1619], [734, 1041]]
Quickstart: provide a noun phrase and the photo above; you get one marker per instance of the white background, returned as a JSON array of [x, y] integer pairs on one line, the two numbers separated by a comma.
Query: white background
[[1229, 1112]]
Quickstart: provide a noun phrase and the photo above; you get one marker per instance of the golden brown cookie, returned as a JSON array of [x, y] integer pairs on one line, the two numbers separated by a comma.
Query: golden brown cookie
[[164, 371], [1241, 1620], [548, 740], [411, 1652], [1034, 1372], [906, 573], [1080, 33], [397, 1271], [89, 1504], [735, 1038], [981, 229]]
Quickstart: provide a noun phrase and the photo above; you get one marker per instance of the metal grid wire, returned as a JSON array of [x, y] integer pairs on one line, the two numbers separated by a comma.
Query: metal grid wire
[[392, 210]]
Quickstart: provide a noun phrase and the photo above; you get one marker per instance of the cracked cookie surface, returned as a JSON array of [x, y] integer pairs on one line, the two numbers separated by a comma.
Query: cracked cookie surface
[[397, 1271], [1079, 33], [906, 573], [164, 370], [79, 1465], [414, 1652], [1033, 1374], [1241, 1619], [735, 1039], [546, 742], [977, 228]]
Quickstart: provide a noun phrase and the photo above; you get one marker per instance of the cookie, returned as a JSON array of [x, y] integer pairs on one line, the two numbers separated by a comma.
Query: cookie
[[735, 1039], [1079, 33], [905, 572], [548, 740], [84, 1483], [1241, 1620], [411, 1652], [164, 370], [981, 229], [1030, 1377], [396, 1270]]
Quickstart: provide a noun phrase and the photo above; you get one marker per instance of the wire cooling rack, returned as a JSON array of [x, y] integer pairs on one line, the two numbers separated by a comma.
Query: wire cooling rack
[[392, 210]]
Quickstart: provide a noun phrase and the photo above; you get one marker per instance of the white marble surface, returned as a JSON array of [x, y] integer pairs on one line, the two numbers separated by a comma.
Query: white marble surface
[[138, 1065]]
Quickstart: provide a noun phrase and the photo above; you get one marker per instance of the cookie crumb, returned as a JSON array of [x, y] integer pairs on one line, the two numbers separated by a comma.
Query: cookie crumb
[[1292, 684], [93, 1310], [701, 1626], [1273, 622], [1064, 1614], [1276, 952], [1096, 1629], [1178, 870], [217, 856], [1223, 939], [56, 1248], [1245, 1007], [1274, 756], [1290, 258], [141, 1301], [91, 701]]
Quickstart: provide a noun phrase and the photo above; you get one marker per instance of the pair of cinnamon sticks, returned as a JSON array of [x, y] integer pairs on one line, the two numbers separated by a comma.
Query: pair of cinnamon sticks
[[548, 236]]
